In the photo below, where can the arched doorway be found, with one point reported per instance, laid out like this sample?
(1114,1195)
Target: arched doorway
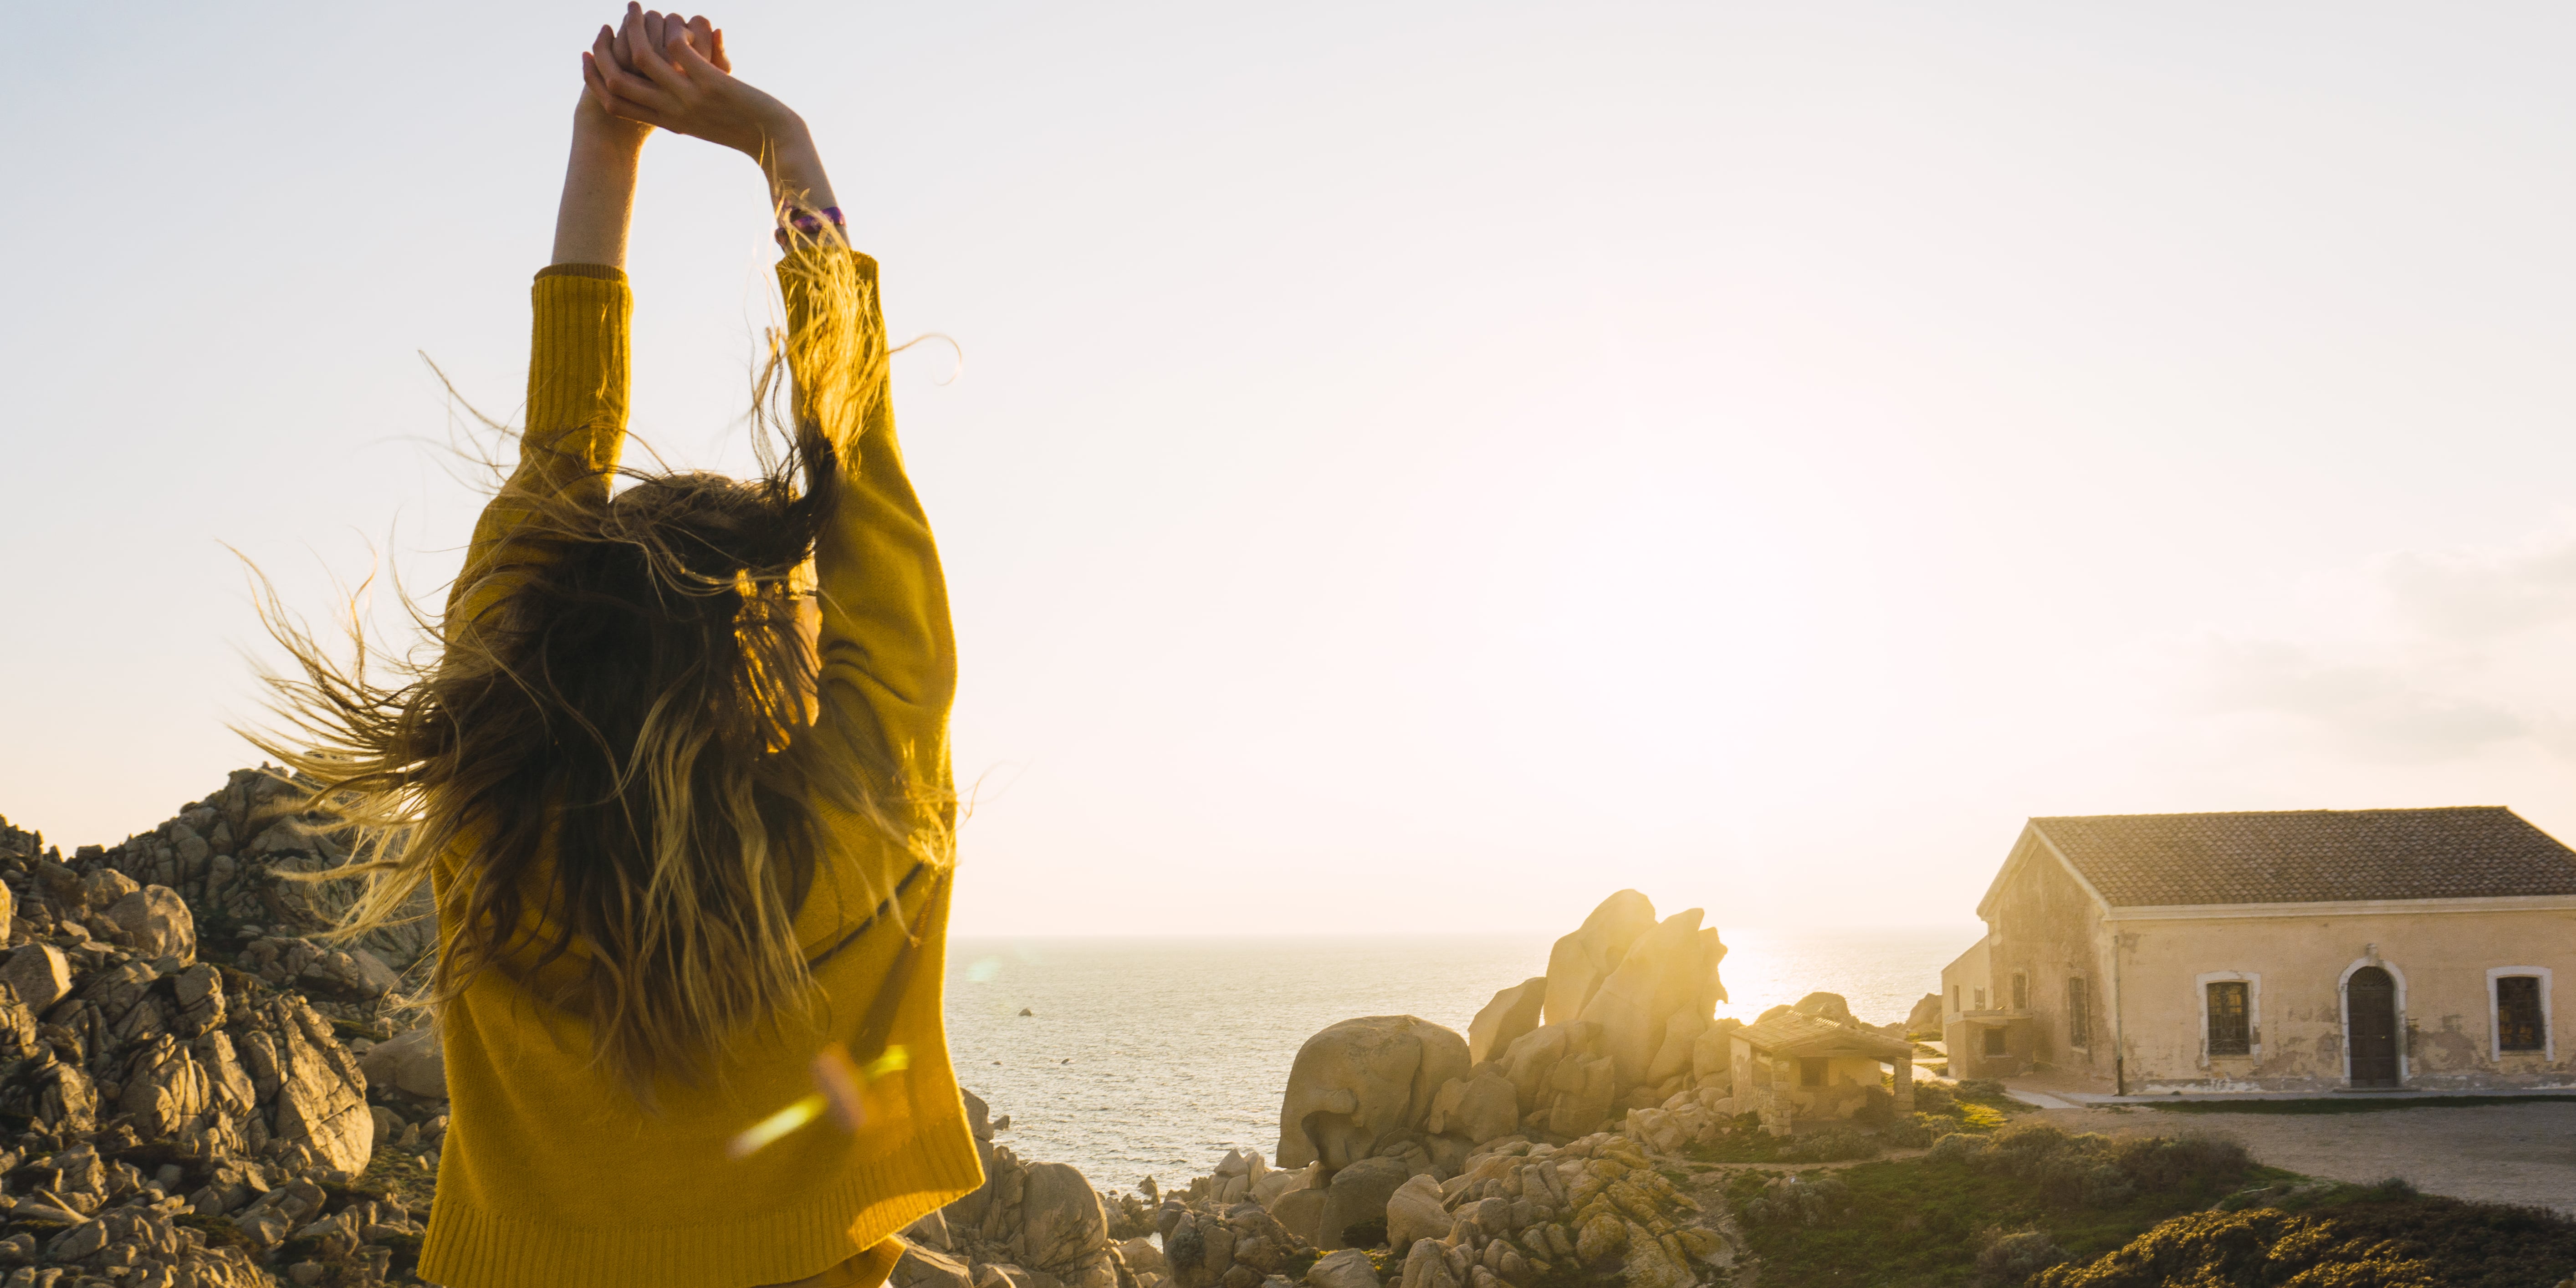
(2370,1027)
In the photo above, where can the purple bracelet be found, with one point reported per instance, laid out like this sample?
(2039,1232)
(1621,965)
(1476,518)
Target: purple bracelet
(809,225)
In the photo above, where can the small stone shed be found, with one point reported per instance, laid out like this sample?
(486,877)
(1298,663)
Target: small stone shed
(1798,1066)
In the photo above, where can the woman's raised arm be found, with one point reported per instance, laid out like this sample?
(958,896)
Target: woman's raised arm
(574,425)
(888,657)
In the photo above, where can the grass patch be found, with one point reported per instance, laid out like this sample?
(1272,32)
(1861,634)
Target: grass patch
(1974,1213)
(218,1232)
(399,1175)
(2348,1105)
(1974,1107)
(2383,1234)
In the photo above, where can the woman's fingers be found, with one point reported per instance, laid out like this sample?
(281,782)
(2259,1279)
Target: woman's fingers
(702,38)
(717,55)
(625,43)
(686,56)
(652,53)
(625,87)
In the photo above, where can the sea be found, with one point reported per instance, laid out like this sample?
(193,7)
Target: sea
(1153,1057)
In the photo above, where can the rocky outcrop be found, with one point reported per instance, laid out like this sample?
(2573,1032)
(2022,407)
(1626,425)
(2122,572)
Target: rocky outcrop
(156,1086)
(1523,1212)
(1579,962)
(1513,1012)
(1362,1086)
(1926,1015)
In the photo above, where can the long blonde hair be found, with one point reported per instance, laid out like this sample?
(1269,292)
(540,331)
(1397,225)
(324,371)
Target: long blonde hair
(619,736)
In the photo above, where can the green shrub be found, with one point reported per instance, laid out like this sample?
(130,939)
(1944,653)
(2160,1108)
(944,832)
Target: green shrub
(1933,1098)
(1988,1090)
(1809,1199)
(1914,1131)
(1832,1145)
(2368,1239)
(1877,1108)
(2012,1258)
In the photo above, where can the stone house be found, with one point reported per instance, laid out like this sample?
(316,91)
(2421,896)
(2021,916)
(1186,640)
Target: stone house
(2314,950)
(1796,1066)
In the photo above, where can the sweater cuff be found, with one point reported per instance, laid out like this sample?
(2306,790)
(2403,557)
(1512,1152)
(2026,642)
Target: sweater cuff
(602,272)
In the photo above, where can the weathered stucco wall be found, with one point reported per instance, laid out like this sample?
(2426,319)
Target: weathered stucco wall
(2052,936)
(2295,966)
(2045,929)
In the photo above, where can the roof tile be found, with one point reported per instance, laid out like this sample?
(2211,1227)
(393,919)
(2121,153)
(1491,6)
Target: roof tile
(2313,856)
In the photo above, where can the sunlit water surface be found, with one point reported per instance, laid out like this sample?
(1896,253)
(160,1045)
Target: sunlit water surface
(1154,1056)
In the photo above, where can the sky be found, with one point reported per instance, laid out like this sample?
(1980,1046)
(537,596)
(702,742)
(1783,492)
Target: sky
(1412,469)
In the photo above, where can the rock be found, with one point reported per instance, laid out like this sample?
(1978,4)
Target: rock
(77,1242)
(321,1097)
(1359,1084)
(413,1062)
(1413,1212)
(1585,1086)
(1661,973)
(1650,1264)
(40,975)
(156,919)
(1673,1056)
(355,971)
(1484,1108)
(1829,1006)
(1926,1015)
(1301,1211)
(1348,1268)
(1602,1238)
(1656,1129)
(1143,1257)
(1579,962)
(1276,1182)
(921,1267)
(165,1089)
(101,888)
(1061,1218)
(1713,1054)
(1427,1266)
(1356,1194)
(199,991)
(1513,1012)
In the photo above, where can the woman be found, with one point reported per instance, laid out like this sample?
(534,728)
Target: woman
(687,823)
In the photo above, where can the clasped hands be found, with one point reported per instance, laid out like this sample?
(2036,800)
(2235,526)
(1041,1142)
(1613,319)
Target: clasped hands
(658,69)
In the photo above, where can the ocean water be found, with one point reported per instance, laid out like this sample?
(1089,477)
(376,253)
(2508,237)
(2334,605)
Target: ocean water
(1152,1057)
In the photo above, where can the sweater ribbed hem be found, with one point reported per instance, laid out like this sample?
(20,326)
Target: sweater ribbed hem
(471,1248)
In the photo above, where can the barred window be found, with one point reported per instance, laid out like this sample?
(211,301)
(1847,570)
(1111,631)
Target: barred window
(1995,1041)
(2079,1014)
(2230,1029)
(2519,1024)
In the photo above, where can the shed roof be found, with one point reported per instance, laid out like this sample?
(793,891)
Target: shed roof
(2312,856)
(1807,1035)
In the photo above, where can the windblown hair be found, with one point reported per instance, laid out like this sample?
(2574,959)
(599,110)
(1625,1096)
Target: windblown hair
(612,725)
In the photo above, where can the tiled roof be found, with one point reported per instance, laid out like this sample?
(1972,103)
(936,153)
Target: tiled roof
(2312,856)
(1808,1035)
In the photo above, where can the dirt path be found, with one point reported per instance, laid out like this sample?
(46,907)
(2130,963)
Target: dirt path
(2524,1153)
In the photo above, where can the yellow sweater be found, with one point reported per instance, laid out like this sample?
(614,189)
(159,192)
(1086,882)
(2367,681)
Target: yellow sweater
(551,1174)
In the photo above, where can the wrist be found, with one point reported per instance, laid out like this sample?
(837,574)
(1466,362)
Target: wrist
(596,132)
